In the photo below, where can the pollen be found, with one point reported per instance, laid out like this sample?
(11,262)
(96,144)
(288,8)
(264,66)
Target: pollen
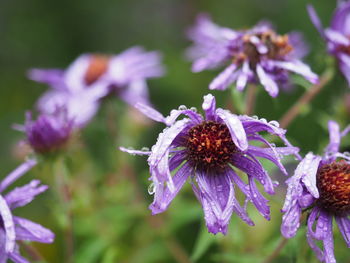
(333,183)
(97,67)
(209,145)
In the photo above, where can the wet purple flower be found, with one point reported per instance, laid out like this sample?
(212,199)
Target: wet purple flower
(258,55)
(97,75)
(337,35)
(49,133)
(13,228)
(321,186)
(210,151)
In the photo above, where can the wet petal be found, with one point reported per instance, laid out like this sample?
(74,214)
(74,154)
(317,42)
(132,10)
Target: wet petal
(260,202)
(209,107)
(298,67)
(163,196)
(344,227)
(291,221)
(224,79)
(334,137)
(267,81)
(235,127)
(150,112)
(134,152)
(9,227)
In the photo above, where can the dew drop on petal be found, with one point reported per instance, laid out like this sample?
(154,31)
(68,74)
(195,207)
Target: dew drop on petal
(151,189)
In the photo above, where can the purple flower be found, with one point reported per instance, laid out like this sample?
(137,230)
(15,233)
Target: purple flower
(337,35)
(47,134)
(320,185)
(211,151)
(13,228)
(91,77)
(258,55)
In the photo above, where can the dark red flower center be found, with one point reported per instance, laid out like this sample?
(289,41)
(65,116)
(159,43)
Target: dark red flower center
(97,67)
(333,183)
(277,47)
(209,145)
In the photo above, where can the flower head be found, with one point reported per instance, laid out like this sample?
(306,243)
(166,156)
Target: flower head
(124,74)
(210,150)
(258,55)
(337,35)
(13,228)
(48,133)
(320,185)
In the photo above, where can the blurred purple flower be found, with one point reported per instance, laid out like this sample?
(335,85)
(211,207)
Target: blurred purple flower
(337,35)
(13,228)
(320,184)
(257,55)
(207,150)
(48,133)
(91,77)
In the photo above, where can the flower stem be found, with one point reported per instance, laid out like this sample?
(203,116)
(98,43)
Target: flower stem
(294,111)
(276,251)
(250,99)
(63,191)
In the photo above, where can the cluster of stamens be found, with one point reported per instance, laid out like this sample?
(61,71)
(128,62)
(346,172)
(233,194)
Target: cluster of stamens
(209,145)
(333,183)
(97,67)
(278,46)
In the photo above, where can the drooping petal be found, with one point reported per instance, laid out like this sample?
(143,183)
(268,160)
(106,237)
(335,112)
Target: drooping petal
(298,67)
(344,227)
(17,173)
(163,196)
(260,202)
(267,81)
(310,234)
(9,227)
(224,79)
(20,196)
(235,127)
(291,221)
(28,230)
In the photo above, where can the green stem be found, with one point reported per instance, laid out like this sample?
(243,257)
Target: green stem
(250,99)
(63,192)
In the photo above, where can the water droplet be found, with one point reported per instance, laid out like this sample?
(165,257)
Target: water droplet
(145,149)
(274,123)
(182,107)
(151,189)
(193,109)
(255,117)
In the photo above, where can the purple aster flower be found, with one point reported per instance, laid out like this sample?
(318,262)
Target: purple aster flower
(258,55)
(13,228)
(47,134)
(210,151)
(337,35)
(124,74)
(321,186)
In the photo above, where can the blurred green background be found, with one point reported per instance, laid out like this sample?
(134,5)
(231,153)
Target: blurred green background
(109,188)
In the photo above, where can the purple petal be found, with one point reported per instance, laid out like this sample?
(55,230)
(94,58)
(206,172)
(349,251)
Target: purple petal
(49,76)
(291,222)
(341,19)
(174,114)
(28,230)
(163,195)
(308,169)
(315,19)
(310,234)
(336,37)
(6,217)
(253,169)
(260,202)
(17,258)
(223,80)
(298,67)
(334,137)
(150,112)
(235,127)
(17,173)
(344,227)
(165,140)
(20,196)
(134,152)
(135,92)
(267,81)
(209,107)
(243,76)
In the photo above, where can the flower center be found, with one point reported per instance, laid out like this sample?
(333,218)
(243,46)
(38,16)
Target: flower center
(277,47)
(333,183)
(97,67)
(209,145)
